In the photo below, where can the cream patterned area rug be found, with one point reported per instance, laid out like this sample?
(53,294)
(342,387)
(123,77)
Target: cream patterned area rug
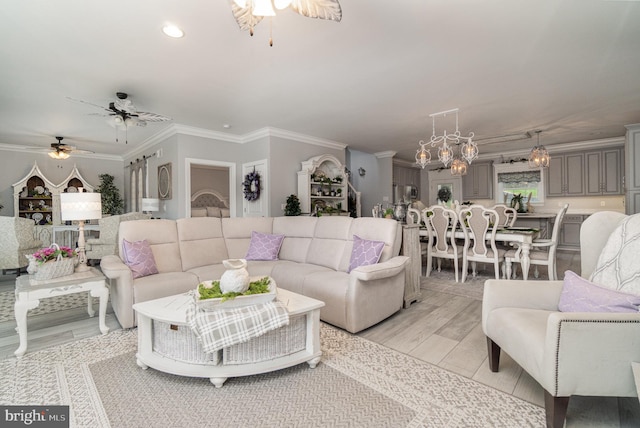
(357,384)
(52,304)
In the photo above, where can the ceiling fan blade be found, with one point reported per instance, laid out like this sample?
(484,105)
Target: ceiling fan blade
(152,117)
(321,9)
(245,19)
(88,103)
(81,152)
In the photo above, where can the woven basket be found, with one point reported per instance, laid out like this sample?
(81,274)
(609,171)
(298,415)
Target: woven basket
(62,266)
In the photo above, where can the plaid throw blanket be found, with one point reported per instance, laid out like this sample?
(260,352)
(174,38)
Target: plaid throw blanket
(225,327)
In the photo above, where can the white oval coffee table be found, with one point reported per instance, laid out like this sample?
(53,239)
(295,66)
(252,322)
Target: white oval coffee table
(166,343)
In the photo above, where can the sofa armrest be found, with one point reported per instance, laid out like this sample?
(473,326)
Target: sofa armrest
(114,268)
(506,293)
(499,293)
(591,352)
(382,270)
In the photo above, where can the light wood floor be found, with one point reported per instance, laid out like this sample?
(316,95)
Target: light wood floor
(442,329)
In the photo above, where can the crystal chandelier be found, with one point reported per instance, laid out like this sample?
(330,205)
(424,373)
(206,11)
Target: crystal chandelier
(468,149)
(539,156)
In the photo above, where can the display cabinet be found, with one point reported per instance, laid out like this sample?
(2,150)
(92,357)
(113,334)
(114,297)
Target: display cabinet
(37,198)
(322,186)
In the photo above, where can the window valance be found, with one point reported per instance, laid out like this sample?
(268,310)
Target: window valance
(519,177)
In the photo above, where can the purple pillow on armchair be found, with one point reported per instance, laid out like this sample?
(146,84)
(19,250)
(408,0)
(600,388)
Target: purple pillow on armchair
(139,257)
(581,295)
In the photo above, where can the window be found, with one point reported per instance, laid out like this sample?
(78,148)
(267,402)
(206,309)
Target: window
(518,179)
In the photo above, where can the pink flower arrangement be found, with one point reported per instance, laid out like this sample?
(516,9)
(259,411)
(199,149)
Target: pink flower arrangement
(45,254)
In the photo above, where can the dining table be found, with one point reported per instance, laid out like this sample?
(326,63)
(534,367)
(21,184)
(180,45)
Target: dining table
(519,236)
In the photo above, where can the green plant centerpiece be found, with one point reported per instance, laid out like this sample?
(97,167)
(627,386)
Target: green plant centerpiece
(518,204)
(112,203)
(213,291)
(293,206)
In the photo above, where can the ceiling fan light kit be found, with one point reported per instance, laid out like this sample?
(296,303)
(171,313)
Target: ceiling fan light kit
(61,151)
(248,13)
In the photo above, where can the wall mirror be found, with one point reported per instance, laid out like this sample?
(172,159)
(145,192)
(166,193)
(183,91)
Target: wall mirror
(164,181)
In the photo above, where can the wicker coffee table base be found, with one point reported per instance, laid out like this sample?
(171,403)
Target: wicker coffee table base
(167,344)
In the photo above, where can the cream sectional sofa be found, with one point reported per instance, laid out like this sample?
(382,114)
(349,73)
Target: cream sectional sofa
(313,261)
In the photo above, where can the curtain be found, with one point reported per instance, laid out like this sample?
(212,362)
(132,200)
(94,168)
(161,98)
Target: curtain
(519,177)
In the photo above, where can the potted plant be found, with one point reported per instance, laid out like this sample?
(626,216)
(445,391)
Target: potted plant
(293,206)
(112,203)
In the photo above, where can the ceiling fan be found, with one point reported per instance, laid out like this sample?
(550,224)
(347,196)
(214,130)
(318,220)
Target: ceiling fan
(62,151)
(122,113)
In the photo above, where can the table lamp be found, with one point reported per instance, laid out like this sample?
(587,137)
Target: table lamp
(81,207)
(150,205)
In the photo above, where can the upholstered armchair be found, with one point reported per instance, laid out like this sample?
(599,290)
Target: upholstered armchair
(16,241)
(569,353)
(107,242)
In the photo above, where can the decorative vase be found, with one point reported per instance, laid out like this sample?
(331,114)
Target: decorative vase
(235,278)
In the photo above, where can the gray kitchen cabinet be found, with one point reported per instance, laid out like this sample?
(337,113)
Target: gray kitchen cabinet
(565,175)
(603,172)
(570,232)
(478,183)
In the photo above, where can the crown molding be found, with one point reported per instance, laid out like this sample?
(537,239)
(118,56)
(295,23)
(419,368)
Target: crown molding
(385,154)
(266,132)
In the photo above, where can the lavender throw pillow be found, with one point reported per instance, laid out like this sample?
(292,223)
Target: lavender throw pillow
(365,252)
(264,246)
(139,257)
(581,295)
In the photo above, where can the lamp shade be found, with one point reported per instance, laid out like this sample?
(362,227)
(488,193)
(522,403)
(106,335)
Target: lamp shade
(150,204)
(80,206)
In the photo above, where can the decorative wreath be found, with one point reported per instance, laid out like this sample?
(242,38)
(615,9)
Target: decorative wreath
(251,185)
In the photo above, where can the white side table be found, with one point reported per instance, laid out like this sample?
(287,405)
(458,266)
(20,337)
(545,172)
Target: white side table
(29,292)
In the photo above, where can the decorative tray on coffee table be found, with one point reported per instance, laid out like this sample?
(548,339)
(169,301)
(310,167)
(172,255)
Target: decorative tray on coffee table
(238,301)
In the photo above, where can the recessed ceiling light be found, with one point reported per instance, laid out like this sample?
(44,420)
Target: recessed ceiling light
(172,31)
(226,126)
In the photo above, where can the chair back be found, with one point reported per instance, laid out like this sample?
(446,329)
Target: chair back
(476,222)
(594,234)
(439,220)
(558,223)
(16,241)
(413,216)
(506,215)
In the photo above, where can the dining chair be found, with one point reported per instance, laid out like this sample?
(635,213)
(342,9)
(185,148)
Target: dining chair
(479,225)
(543,251)
(441,222)
(506,215)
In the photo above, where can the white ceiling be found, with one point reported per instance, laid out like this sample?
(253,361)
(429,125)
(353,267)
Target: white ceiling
(569,68)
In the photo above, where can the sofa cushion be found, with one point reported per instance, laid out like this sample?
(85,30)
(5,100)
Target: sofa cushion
(298,232)
(331,238)
(139,257)
(581,295)
(162,235)
(264,246)
(198,212)
(292,276)
(364,252)
(386,230)
(201,242)
(237,233)
(163,285)
(618,267)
